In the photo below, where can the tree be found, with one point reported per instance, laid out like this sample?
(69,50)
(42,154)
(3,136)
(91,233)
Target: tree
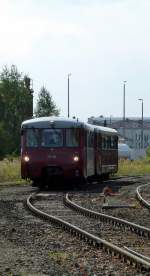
(45,104)
(15,106)
(5,141)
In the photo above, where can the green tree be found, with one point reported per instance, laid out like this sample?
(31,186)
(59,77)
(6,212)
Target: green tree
(5,141)
(45,104)
(15,106)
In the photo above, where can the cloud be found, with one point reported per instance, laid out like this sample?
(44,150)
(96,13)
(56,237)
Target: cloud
(100,42)
(20,34)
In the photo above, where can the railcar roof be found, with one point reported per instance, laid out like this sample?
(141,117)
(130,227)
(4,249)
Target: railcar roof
(58,122)
(107,130)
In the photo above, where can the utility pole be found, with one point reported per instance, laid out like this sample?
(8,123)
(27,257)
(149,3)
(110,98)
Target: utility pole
(124,107)
(68,97)
(141,124)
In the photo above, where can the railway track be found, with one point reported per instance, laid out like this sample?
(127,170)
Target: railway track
(143,201)
(115,221)
(45,206)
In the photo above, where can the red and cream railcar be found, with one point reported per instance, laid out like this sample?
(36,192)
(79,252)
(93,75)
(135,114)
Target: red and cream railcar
(68,148)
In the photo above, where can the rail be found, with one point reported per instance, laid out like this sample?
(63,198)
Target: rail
(108,247)
(140,198)
(138,229)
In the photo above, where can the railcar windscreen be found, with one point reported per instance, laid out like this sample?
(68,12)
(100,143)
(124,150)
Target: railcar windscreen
(52,138)
(32,138)
(72,137)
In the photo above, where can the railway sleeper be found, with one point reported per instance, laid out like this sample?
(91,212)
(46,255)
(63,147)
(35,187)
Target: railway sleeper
(124,259)
(101,245)
(114,222)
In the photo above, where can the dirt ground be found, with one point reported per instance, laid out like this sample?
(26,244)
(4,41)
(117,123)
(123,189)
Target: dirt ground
(30,246)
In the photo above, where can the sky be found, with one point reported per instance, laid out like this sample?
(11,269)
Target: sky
(102,43)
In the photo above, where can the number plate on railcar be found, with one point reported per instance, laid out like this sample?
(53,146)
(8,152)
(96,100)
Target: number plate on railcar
(54,171)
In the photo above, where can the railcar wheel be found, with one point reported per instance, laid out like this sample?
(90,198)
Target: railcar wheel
(77,182)
(105,176)
(82,181)
(35,182)
(39,183)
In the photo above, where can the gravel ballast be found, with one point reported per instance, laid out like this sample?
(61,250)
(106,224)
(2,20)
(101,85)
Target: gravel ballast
(31,246)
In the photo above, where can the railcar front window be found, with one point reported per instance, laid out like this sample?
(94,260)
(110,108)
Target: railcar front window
(32,138)
(52,138)
(72,137)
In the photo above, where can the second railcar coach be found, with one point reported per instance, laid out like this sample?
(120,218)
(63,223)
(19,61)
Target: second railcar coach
(53,147)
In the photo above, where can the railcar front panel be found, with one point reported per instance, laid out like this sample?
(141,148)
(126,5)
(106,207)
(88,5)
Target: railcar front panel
(50,162)
(52,152)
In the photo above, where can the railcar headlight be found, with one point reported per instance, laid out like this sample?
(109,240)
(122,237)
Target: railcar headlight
(26,158)
(76,158)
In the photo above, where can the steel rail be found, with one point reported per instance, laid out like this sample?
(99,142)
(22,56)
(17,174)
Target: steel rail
(108,247)
(138,229)
(140,198)
(137,254)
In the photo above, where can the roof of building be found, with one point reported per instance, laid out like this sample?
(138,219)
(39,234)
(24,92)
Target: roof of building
(132,122)
(114,119)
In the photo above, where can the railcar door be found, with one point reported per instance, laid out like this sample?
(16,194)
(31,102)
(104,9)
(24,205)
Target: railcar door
(90,153)
(98,153)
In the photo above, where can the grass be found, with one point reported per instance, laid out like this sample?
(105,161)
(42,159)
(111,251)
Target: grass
(137,167)
(10,171)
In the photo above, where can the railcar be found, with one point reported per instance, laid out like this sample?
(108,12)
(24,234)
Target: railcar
(53,147)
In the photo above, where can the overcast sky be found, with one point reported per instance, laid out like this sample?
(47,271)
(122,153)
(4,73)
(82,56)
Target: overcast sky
(100,42)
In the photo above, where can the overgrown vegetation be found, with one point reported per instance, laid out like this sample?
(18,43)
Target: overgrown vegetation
(137,167)
(10,171)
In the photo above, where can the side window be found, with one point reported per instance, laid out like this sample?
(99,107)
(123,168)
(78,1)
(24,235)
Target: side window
(108,142)
(72,137)
(32,138)
(104,142)
(116,142)
(113,142)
